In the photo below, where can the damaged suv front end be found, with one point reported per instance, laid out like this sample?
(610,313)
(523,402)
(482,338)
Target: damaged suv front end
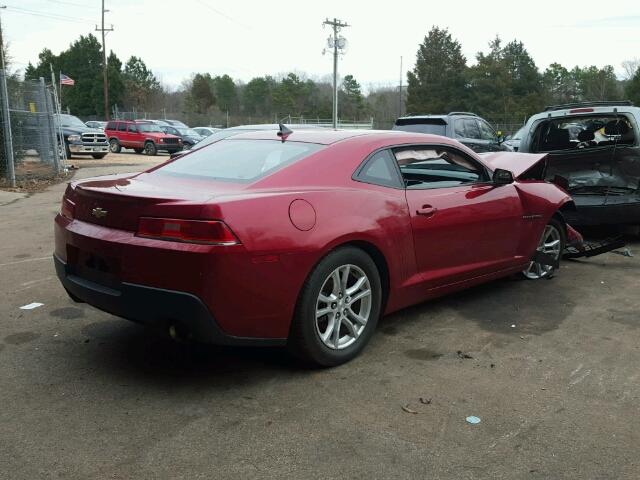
(593,152)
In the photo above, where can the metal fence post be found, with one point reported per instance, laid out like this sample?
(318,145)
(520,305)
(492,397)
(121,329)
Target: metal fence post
(50,120)
(8,139)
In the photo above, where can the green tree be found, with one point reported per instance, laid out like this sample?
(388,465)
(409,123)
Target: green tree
(200,97)
(289,95)
(437,82)
(597,83)
(257,95)
(632,90)
(351,101)
(559,85)
(226,93)
(140,83)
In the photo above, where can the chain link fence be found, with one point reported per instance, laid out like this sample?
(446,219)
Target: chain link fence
(29,132)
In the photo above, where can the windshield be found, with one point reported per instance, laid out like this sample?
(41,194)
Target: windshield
(518,135)
(188,132)
(71,121)
(149,127)
(238,160)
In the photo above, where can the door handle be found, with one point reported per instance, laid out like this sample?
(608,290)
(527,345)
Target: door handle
(426,211)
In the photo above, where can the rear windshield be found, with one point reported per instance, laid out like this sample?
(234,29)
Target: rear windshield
(433,126)
(583,133)
(239,160)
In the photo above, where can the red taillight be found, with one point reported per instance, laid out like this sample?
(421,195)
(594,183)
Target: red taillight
(212,232)
(67,209)
(581,110)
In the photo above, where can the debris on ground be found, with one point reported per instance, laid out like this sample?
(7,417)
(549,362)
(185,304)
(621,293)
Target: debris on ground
(425,401)
(473,420)
(513,325)
(408,410)
(461,354)
(493,365)
(625,252)
(31,306)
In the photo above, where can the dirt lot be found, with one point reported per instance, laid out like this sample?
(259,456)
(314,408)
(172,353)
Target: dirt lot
(550,367)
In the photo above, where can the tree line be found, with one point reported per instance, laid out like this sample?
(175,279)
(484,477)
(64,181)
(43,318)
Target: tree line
(503,81)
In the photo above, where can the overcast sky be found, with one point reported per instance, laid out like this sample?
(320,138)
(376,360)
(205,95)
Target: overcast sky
(247,38)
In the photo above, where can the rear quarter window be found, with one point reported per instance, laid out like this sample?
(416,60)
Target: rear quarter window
(241,161)
(111,126)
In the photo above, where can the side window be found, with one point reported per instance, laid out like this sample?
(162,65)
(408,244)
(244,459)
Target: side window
(471,129)
(380,170)
(425,167)
(459,128)
(132,128)
(122,127)
(111,126)
(486,132)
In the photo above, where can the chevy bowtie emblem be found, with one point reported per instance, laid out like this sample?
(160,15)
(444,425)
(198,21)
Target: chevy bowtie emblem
(99,212)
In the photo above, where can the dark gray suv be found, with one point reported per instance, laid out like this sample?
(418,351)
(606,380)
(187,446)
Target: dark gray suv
(468,128)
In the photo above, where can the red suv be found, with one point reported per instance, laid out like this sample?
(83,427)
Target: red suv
(142,136)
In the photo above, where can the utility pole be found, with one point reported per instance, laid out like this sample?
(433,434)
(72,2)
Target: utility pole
(400,92)
(105,69)
(337,43)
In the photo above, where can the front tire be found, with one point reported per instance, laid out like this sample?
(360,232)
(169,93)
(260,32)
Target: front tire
(150,149)
(99,156)
(552,241)
(337,310)
(114,145)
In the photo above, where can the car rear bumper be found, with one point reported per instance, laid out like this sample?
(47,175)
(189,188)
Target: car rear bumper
(154,307)
(593,211)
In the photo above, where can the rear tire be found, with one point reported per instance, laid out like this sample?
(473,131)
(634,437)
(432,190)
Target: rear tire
(343,291)
(114,145)
(552,241)
(150,149)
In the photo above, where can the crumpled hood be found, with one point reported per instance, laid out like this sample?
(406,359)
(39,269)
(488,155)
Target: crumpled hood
(516,163)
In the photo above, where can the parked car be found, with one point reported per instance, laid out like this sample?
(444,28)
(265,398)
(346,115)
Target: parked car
(175,123)
(79,139)
(141,136)
(188,135)
(206,131)
(467,128)
(98,125)
(157,122)
(239,244)
(595,149)
(513,141)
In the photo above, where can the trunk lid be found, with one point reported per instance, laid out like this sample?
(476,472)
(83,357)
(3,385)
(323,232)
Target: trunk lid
(118,201)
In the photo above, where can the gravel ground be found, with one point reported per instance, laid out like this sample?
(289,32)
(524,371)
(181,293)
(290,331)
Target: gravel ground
(550,368)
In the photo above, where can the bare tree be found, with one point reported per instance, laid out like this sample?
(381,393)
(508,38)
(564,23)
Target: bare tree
(630,67)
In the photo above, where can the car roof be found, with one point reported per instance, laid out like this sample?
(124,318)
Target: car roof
(586,109)
(440,116)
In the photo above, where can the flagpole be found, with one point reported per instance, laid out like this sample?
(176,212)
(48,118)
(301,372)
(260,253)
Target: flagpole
(60,80)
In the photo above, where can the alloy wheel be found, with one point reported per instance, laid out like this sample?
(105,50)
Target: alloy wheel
(550,243)
(343,307)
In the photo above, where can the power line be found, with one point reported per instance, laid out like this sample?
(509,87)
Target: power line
(81,5)
(54,16)
(222,14)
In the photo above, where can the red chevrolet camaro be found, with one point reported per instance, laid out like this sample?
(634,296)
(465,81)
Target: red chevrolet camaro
(307,238)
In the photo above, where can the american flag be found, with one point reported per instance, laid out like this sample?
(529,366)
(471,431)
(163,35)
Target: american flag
(64,80)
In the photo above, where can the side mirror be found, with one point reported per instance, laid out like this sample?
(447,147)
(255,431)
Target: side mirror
(502,177)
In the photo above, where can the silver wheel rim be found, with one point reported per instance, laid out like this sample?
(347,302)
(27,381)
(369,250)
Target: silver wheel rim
(549,244)
(343,307)
(114,146)
(148,148)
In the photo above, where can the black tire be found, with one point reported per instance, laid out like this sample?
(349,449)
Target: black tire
(99,156)
(67,150)
(114,145)
(138,150)
(150,149)
(304,336)
(187,146)
(534,273)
